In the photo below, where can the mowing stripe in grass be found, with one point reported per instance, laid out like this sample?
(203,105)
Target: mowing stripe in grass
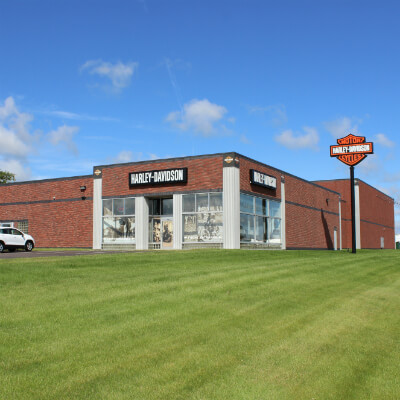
(201,325)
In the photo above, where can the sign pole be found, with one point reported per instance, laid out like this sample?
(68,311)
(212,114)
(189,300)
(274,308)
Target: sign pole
(351,150)
(353,211)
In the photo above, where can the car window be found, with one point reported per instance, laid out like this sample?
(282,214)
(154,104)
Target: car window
(16,232)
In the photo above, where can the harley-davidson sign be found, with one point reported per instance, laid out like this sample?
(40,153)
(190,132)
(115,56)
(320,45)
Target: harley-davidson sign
(158,177)
(261,179)
(352,149)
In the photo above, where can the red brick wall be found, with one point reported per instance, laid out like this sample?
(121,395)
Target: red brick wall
(376,209)
(376,218)
(310,218)
(52,223)
(343,187)
(203,174)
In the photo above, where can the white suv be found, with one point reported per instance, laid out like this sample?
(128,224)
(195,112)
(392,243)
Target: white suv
(12,238)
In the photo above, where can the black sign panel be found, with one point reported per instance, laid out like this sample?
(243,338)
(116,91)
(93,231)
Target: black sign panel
(261,179)
(158,177)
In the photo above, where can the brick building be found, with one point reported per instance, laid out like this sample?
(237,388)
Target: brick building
(218,200)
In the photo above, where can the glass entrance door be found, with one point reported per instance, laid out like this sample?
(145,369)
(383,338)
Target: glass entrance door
(161,227)
(167,233)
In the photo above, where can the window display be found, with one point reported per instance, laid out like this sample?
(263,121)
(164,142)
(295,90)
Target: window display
(205,225)
(119,220)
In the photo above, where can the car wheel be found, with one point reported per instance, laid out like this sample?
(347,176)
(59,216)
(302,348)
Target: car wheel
(28,246)
(11,250)
(1,247)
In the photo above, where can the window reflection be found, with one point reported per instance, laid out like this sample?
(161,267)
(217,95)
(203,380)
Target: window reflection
(119,220)
(260,220)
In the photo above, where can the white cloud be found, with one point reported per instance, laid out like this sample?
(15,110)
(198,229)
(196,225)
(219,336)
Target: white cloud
(123,157)
(308,140)
(15,138)
(381,139)
(17,167)
(77,117)
(64,135)
(341,127)
(12,144)
(8,109)
(119,74)
(201,116)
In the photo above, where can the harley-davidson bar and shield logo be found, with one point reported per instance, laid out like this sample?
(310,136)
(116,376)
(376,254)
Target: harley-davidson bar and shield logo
(352,149)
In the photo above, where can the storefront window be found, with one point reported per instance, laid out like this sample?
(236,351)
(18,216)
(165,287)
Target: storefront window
(118,206)
(107,207)
(246,228)
(161,206)
(215,201)
(202,202)
(167,207)
(261,229)
(260,220)
(130,206)
(261,206)
(275,234)
(119,220)
(189,203)
(246,203)
(274,209)
(205,225)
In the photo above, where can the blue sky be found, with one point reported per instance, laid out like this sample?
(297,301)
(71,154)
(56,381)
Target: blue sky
(84,83)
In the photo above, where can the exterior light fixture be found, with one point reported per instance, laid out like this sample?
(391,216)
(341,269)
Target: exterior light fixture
(83,188)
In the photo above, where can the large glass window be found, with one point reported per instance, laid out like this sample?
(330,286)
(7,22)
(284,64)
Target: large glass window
(189,203)
(260,220)
(246,228)
(119,220)
(161,206)
(246,203)
(202,217)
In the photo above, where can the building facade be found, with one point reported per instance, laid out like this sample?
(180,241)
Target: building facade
(223,200)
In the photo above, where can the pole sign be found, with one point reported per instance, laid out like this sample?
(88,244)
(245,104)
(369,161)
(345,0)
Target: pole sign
(351,150)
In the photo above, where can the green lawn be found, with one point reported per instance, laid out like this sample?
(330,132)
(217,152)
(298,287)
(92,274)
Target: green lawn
(201,325)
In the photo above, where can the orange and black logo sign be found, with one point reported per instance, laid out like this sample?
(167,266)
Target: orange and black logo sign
(352,149)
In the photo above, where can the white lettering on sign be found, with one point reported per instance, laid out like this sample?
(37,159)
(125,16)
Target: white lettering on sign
(259,178)
(359,148)
(158,177)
